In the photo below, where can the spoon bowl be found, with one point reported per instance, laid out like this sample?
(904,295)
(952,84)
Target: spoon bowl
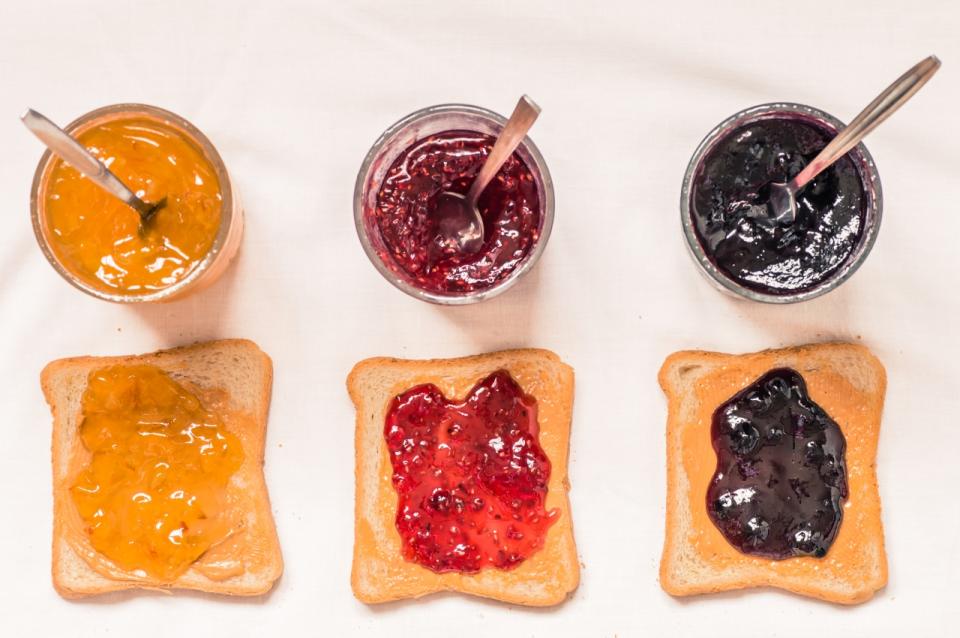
(782,203)
(459,224)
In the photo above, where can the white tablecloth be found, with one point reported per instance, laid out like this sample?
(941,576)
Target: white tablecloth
(294,93)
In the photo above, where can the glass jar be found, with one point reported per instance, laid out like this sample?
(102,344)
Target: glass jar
(869,179)
(209,267)
(401,136)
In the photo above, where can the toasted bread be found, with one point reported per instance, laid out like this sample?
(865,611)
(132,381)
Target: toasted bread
(380,572)
(849,383)
(236,377)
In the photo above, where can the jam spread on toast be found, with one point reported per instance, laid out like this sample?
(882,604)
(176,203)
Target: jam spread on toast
(781,473)
(471,476)
(405,213)
(101,240)
(735,227)
(153,495)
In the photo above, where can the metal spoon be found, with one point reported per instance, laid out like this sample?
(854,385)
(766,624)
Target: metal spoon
(783,197)
(70,150)
(459,222)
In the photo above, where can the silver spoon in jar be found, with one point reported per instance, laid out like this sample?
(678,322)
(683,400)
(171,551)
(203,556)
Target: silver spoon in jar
(459,223)
(70,150)
(783,197)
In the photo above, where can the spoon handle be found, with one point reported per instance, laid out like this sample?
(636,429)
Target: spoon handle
(895,96)
(71,151)
(524,115)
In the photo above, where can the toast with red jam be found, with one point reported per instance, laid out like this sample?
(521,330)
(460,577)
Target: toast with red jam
(461,478)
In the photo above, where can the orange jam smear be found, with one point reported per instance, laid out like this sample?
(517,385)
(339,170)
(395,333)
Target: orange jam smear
(153,496)
(99,239)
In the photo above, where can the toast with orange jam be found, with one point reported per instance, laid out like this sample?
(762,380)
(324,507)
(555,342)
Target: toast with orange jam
(158,471)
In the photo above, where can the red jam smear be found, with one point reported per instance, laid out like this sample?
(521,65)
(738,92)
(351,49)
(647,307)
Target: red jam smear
(407,202)
(471,477)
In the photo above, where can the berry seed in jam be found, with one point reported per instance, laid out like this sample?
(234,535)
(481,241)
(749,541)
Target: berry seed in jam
(733,223)
(781,473)
(406,205)
(471,477)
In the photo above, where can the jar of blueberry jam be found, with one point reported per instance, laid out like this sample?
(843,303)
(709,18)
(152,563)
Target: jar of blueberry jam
(733,235)
(438,149)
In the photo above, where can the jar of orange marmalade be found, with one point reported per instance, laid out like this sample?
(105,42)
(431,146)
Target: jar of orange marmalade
(101,246)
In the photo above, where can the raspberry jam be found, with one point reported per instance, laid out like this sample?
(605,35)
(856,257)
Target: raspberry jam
(471,477)
(405,214)
(781,473)
(732,222)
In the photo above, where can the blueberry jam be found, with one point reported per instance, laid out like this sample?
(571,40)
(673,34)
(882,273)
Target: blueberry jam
(735,227)
(471,477)
(781,473)
(405,214)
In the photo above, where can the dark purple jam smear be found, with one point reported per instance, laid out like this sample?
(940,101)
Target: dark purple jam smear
(781,473)
(734,225)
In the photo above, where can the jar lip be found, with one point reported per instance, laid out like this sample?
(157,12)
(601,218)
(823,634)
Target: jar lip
(869,179)
(194,135)
(364,176)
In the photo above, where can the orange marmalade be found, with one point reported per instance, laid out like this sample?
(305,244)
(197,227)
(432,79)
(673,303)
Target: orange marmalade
(100,240)
(153,496)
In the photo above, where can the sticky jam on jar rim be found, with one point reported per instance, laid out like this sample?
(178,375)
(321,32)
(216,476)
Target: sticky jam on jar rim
(153,495)
(781,470)
(471,477)
(404,214)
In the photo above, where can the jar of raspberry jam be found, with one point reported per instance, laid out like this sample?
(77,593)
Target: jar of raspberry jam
(441,148)
(730,232)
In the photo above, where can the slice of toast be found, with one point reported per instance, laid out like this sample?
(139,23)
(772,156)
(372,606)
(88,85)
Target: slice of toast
(234,377)
(380,572)
(849,383)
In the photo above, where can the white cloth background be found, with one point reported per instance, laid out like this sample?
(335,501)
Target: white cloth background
(294,93)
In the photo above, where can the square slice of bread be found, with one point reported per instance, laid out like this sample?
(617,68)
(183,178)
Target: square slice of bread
(849,383)
(237,377)
(380,572)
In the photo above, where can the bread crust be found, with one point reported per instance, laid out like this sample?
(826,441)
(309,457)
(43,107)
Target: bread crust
(203,368)
(380,573)
(849,383)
